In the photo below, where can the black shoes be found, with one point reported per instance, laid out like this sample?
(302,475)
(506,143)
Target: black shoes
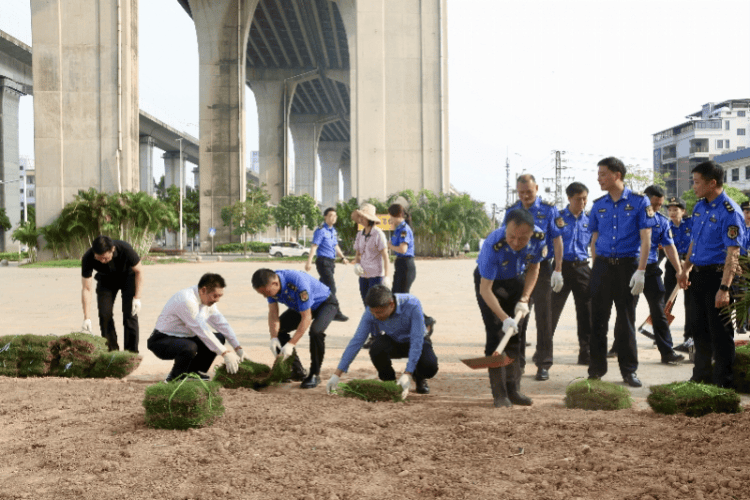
(672,357)
(310,382)
(542,374)
(422,387)
(632,380)
(340,317)
(685,346)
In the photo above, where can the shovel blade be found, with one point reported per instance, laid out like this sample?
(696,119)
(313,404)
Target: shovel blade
(495,361)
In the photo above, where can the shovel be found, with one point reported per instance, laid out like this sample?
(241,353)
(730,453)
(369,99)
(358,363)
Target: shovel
(667,312)
(498,358)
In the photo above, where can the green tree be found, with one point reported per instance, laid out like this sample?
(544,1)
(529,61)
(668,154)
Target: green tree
(639,178)
(296,212)
(191,215)
(28,235)
(691,199)
(345,226)
(5,224)
(251,216)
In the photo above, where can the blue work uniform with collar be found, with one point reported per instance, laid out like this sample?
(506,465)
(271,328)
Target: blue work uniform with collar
(498,261)
(403,234)
(575,235)
(661,234)
(546,217)
(326,237)
(299,291)
(619,223)
(682,235)
(716,225)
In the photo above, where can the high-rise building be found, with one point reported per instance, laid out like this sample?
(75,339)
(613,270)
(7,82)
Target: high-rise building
(28,181)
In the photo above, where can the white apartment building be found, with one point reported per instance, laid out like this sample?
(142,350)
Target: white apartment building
(716,129)
(27,177)
(736,169)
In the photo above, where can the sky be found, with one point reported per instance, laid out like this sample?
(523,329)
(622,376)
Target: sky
(593,78)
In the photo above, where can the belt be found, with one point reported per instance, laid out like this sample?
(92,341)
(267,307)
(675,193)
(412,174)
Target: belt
(576,263)
(713,268)
(614,261)
(404,256)
(682,255)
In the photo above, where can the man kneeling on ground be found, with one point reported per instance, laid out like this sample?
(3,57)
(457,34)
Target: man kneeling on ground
(183,331)
(399,318)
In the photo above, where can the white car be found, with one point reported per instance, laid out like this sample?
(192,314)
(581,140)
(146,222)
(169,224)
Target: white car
(288,249)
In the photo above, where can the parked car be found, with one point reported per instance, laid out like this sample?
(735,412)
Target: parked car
(288,249)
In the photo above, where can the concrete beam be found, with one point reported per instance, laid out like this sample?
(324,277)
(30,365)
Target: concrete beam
(165,137)
(305,136)
(330,154)
(145,161)
(10,189)
(15,62)
(346,177)
(269,99)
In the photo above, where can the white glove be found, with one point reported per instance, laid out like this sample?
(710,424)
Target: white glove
(637,281)
(358,269)
(241,353)
(522,310)
(557,281)
(287,350)
(510,327)
(136,307)
(86,328)
(405,382)
(275,346)
(231,361)
(332,384)
(387,282)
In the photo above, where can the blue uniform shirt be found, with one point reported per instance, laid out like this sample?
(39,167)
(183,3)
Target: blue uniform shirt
(716,225)
(619,223)
(661,234)
(681,235)
(575,235)
(299,291)
(326,238)
(745,241)
(401,234)
(406,324)
(497,261)
(546,217)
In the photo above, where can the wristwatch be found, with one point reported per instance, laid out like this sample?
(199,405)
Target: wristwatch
(723,288)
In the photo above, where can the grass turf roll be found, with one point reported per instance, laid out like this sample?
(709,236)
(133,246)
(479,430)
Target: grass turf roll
(372,390)
(115,364)
(32,353)
(742,369)
(597,395)
(256,376)
(692,399)
(187,402)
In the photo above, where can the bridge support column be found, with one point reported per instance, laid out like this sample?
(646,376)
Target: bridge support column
(146,160)
(10,189)
(172,166)
(346,177)
(305,136)
(222,27)
(330,153)
(269,98)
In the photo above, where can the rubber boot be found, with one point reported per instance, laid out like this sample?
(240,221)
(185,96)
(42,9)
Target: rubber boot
(498,386)
(513,384)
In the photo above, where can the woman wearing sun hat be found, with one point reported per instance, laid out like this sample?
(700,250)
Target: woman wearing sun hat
(371,261)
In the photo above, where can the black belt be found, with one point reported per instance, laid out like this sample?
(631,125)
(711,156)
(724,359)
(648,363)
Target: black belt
(713,268)
(614,261)
(576,263)
(404,256)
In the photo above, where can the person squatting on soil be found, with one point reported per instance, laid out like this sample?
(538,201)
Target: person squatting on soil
(310,303)
(681,234)
(400,318)
(118,268)
(718,232)
(184,330)
(547,218)
(507,270)
(325,244)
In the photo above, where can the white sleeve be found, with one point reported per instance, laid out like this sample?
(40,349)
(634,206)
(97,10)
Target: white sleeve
(189,313)
(220,323)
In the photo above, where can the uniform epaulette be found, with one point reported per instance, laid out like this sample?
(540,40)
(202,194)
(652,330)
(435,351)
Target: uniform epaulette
(500,244)
(538,235)
(600,198)
(728,206)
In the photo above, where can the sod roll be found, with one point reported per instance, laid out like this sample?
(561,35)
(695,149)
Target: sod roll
(372,390)
(692,399)
(597,395)
(256,376)
(187,402)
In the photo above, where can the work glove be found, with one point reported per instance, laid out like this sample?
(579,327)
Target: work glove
(358,269)
(522,310)
(637,281)
(275,346)
(332,384)
(510,327)
(287,350)
(231,361)
(387,282)
(136,307)
(556,281)
(241,353)
(86,328)
(405,382)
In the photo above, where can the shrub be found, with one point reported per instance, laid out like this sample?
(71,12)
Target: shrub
(253,246)
(597,395)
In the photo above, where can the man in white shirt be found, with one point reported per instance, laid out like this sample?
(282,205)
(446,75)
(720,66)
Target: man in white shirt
(184,330)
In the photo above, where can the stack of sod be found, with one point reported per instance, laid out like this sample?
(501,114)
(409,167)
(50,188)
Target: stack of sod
(742,369)
(25,355)
(255,375)
(372,390)
(692,399)
(73,354)
(183,403)
(597,395)
(116,364)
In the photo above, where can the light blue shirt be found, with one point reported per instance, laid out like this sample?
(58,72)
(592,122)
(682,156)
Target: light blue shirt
(498,261)
(299,291)
(401,234)
(716,225)
(575,235)
(619,223)
(326,237)
(546,217)
(661,234)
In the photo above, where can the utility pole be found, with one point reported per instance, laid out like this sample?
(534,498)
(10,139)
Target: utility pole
(559,179)
(507,181)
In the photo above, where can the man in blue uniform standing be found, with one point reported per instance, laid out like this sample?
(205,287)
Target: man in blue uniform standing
(653,288)
(718,232)
(310,304)
(325,244)
(575,268)
(620,225)
(681,235)
(507,270)
(547,218)
(400,318)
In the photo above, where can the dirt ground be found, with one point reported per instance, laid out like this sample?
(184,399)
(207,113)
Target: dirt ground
(62,438)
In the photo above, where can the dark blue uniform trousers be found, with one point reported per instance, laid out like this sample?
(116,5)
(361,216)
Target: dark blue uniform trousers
(322,316)
(384,349)
(654,291)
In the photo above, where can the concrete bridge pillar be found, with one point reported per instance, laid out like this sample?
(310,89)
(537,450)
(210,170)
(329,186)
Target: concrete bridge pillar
(330,153)
(222,27)
(146,160)
(269,98)
(172,166)
(10,189)
(346,177)
(305,136)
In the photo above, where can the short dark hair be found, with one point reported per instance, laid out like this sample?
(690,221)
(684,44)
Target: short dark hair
(102,244)
(614,165)
(262,277)
(654,190)
(328,210)
(398,210)
(520,216)
(379,296)
(575,188)
(211,281)
(710,170)
(525,178)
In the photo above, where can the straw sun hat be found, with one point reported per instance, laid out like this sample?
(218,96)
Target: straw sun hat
(367,210)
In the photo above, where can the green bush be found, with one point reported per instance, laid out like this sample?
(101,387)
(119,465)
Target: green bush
(693,399)
(372,390)
(597,395)
(13,256)
(252,246)
(187,402)
(742,369)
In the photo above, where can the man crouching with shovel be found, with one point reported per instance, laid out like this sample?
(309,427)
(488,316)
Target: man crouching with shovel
(502,288)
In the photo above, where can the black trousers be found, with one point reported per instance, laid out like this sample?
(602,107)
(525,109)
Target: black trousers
(655,293)
(610,283)
(384,349)
(404,274)
(326,267)
(508,292)
(190,354)
(670,281)
(322,317)
(106,292)
(576,279)
(713,333)
(541,298)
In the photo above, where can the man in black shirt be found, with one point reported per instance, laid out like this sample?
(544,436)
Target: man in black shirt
(117,267)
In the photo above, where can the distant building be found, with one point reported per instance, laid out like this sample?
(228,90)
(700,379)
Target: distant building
(717,129)
(28,197)
(253,170)
(736,169)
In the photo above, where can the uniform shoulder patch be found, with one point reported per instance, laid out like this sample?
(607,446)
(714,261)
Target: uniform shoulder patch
(538,235)
(403,234)
(729,207)
(304,296)
(560,222)
(292,287)
(500,244)
(733,232)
